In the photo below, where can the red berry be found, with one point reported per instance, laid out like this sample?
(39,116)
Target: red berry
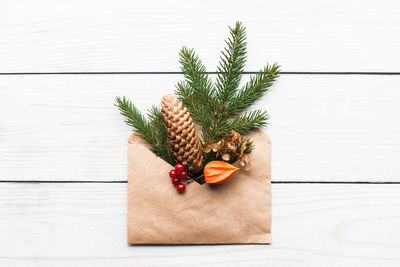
(176,181)
(180,188)
(179,168)
(173,174)
(183,175)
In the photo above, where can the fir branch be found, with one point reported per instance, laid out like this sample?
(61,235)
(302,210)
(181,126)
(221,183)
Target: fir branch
(152,132)
(198,93)
(254,89)
(232,63)
(196,75)
(213,108)
(249,121)
(199,113)
(186,95)
(216,108)
(134,118)
(160,147)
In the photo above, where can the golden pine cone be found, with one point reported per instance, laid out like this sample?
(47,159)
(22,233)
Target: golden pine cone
(181,134)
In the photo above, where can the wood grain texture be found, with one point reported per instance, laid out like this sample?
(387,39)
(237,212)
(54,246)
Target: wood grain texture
(100,35)
(323,128)
(85,225)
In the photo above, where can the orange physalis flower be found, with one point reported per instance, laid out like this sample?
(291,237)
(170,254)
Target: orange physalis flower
(218,172)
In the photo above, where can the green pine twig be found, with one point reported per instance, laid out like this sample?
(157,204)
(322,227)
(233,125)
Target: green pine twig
(196,75)
(217,108)
(198,88)
(160,144)
(249,121)
(232,63)
(254,89)
(152,132)
(199,113)
(134,118)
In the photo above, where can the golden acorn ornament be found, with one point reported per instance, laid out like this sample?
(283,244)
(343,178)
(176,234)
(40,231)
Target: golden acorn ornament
(181,134)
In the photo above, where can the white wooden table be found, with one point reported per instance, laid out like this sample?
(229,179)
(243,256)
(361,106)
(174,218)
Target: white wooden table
(334,125)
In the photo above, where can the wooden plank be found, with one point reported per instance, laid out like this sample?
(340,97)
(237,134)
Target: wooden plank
(99,35)
(85,225)
(323,128)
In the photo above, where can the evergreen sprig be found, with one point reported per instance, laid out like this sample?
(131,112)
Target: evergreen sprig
(248,121)
(232,63)
(254,89)
(198,88)
(160,145)
(217,107)
(200,113)
(153,131)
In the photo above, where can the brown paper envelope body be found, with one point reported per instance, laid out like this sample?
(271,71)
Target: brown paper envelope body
(238,211)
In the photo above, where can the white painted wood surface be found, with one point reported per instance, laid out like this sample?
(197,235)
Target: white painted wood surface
(126,35)
(313,225)
(333,128)
(323,128)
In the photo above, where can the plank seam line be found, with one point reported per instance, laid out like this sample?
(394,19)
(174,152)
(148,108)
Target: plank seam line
(124,182)
(211,72)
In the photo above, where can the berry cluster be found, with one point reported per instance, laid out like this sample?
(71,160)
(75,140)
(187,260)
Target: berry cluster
(176,175)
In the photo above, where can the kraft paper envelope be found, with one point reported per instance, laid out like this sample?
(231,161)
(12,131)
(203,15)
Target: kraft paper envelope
(238,211)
